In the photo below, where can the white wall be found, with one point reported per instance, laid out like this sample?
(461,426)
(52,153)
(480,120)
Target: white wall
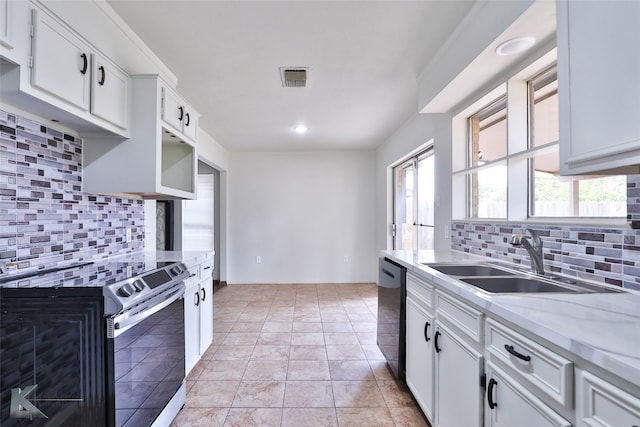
(302,213)
(411,136)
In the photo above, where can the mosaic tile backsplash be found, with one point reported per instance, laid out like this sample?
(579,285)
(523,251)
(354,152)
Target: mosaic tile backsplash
(45,217)
(607,255)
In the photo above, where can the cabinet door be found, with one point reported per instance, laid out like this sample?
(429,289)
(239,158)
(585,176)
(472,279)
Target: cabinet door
(109,92)
(5,23)
(600,403)
(598,85)
(192,327)
(510,404)
(420,363)
(458,390)
(61,62)
(206,314)
(190,124)
(173,112)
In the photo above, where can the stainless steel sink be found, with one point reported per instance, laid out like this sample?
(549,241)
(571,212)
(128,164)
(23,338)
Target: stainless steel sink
(467,270)
(516,285)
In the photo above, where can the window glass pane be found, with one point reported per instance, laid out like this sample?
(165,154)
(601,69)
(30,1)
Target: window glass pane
(425,238)
(556,196)
(488,133)
(489,192)
(403,210)
(426,195)
(544,116)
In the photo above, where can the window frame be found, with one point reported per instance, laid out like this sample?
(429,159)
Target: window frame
(518,155)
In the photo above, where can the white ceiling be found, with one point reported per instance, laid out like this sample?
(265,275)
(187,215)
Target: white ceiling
(364,58)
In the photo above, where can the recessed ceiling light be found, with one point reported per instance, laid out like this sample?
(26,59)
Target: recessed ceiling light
(514,46)
(300,129)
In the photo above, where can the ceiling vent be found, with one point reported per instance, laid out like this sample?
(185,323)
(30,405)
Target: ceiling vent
(294,77)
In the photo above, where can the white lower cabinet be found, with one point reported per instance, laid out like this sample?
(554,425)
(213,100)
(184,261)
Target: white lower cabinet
(600,403)
(420,355)
(509,403)
(458,391)
(192,327)
(198,313)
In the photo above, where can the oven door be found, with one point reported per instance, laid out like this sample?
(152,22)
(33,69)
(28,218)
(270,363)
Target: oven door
(147,366)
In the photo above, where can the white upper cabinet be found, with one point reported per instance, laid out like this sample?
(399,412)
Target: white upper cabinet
(109,92)
(80,80)
(156,162)
(178,115)
(6,9)
(61,62)
(598,86)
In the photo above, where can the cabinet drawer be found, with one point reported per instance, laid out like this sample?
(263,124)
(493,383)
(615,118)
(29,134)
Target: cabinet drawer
(421,289)
(600,403)
(468,320)
(551,373)
(206,268)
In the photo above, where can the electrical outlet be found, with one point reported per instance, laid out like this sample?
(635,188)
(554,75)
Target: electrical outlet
(346,258)
(447,232)
(128,235)
(258,259)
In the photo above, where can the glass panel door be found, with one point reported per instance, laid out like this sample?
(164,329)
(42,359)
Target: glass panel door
(414,203)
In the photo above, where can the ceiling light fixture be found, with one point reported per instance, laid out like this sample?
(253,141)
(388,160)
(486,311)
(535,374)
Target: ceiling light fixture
(300,129)
(515,46)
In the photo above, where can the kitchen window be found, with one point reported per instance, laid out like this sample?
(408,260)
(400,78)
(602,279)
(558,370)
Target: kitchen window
(511,144)
(414,202)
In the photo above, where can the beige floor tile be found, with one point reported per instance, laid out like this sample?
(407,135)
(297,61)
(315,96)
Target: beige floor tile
(337,338)
(233,352)
(307,327)
(351,370)
(305,394)
(263,394)
(334,317)
(307,317)
(308,370)
(360,417)
(408,417)
(307,338)
(208,354)
(308,352)
(344,352)
(218,338)
(200,417)
(361,317)
(277,326)
(266,370)
(357,394)
(309,417)
(396,394)
(274,338)
(212,394)
(380,370)
(270,352)
(372,351)
(223,370)
(222,327)
(342,327)
(367,337)
(241,338)
(246,327)
(364,326)
(248,417)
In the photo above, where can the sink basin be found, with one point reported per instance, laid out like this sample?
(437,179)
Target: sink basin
(517,285)
(468,270)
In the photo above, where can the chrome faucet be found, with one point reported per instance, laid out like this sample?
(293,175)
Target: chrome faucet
(534,249)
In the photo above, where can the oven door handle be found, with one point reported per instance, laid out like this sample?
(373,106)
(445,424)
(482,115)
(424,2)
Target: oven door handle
(139,317)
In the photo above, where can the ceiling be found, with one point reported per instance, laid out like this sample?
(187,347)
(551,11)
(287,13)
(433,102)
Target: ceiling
(364,58)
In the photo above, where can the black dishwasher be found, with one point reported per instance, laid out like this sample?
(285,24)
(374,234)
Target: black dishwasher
(391,314)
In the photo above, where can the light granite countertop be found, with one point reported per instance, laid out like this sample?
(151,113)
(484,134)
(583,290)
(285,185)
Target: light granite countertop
(600,328)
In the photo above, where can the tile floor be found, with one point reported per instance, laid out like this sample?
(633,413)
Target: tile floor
(296,355)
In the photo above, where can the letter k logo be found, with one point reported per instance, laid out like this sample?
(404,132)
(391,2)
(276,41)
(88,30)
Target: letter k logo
(21,407)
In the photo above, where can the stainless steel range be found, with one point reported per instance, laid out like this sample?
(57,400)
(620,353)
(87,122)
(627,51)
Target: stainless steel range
(101,344)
